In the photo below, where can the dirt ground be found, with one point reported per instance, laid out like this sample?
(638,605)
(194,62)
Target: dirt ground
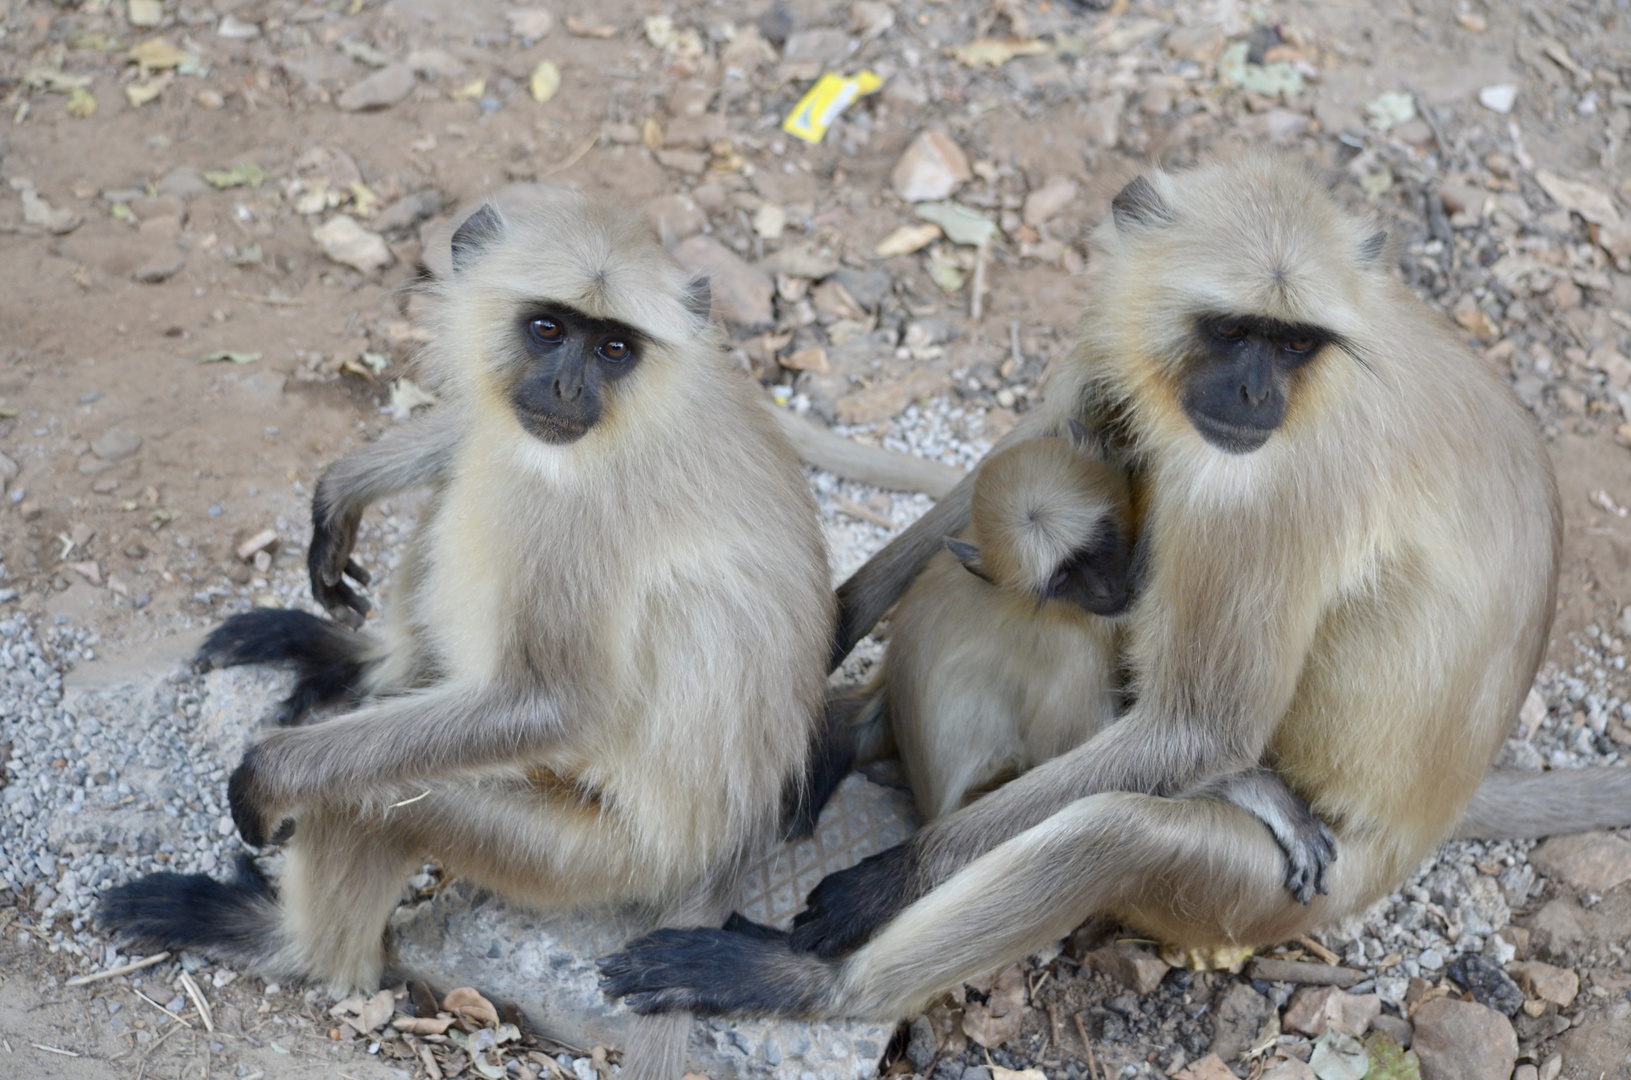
(138,270)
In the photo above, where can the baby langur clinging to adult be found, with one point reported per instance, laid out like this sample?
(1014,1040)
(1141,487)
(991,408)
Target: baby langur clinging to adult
(604,656)
(1349,532)
(1002,655)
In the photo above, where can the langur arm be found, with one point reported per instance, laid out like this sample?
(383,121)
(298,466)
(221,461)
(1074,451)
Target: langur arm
(1308,844)
(871,590)
(431,732)
(402,458)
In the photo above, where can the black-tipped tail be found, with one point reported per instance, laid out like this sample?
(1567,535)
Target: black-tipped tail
(232,920)
(718,971)
(327,657)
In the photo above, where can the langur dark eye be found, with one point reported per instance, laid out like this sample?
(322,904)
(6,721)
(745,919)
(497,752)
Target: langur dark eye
(548,331)
(614,350)
(1300,345)
(1056,584)
(1230,331)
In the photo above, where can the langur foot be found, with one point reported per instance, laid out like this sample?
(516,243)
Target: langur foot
(1231,958)
(750,972)
(845,908)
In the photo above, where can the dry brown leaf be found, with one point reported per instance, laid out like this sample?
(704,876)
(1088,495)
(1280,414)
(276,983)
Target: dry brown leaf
(991,52)
(907,239)
(584,28)
(423,1025)
(377,1010)
(812,359)
(1007,991)
(1210,1067)
(1000,1073)
(471,1006)
(1589,201)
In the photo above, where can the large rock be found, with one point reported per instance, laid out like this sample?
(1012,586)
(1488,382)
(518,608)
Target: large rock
(545,964)
(1458,1040)
(742,293)
(1592,862)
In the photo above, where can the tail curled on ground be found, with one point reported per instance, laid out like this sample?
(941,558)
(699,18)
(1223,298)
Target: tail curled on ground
(329,659)
(233,920)
(1516,805)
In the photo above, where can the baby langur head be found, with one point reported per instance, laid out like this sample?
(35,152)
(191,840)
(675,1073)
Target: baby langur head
(554,301)
(1052,520)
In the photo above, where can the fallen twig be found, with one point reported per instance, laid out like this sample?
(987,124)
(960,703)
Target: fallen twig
(198,1001)
(54,1050)
(174,1016)
(122,969)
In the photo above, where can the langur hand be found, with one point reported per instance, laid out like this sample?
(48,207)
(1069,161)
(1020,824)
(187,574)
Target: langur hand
(846,908)
(1308,861)
(261,814)
(333,535)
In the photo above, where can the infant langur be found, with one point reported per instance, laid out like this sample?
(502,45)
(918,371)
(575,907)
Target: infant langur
(1003,653)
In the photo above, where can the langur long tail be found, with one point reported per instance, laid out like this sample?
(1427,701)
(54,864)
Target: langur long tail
(1515,805)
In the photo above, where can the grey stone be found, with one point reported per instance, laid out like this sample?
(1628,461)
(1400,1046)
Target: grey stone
(545,963)
(742,293)
(183,182)
(676,217)
(824,47)
(1396,1028)
(1239,1017)
(159,267)
(921,1047)
(801,260)
(348,243)
(409,211)
(1488,984)
(116,444)
(1458,1040)
(867,287)
(385,87)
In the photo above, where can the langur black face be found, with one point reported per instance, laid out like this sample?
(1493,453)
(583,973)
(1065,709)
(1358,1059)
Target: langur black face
(1096,578)
(1235,381)
(558,394)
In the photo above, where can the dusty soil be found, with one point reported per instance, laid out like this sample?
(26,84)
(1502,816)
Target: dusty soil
(106,324)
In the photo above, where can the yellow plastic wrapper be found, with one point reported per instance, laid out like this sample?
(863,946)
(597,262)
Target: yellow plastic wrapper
(829,97)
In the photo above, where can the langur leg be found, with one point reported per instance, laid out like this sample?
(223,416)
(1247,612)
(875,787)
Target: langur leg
(1196,872)
(345,867)
(341,881)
